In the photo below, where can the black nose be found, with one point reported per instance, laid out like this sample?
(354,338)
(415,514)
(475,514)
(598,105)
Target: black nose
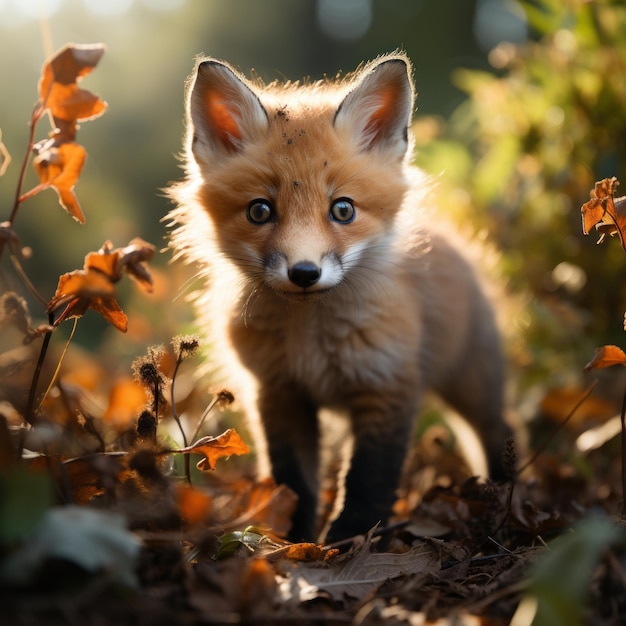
(304,274)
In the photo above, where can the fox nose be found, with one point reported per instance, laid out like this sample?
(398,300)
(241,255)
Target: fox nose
(304,274)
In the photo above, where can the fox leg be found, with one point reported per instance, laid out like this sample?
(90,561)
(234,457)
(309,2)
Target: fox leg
(477,393)
(292,437)
(382,435)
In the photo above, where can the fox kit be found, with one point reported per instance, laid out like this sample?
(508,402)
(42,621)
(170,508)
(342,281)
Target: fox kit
(326,290)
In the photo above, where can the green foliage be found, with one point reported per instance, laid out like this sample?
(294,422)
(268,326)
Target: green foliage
(560,581)
(524,150)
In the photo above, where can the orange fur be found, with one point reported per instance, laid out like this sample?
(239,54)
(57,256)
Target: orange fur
(325,286)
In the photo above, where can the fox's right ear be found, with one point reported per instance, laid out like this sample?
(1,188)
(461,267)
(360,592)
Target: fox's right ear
(222,110)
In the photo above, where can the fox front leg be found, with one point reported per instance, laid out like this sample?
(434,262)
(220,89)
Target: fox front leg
(381,441)
(291,428)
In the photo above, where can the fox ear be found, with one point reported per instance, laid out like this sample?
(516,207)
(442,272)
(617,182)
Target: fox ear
(222,110)
(378,109)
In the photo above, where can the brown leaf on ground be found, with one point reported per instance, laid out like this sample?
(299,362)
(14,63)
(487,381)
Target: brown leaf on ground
(606,356)
(194,504)
(359,575)
(604,212)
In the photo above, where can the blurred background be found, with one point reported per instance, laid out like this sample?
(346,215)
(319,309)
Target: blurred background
(520,109)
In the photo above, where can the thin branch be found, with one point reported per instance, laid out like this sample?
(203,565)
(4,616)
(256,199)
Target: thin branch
(29,415)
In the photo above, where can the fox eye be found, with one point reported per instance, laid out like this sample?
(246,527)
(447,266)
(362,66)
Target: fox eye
(260,211)
(342,210)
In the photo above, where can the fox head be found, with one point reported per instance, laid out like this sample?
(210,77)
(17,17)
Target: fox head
(302,183)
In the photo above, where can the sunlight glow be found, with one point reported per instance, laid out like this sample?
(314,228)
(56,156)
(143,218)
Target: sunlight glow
(108,8)
(163,5)
(35,8)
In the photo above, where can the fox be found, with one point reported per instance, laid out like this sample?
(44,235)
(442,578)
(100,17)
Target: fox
(325,285)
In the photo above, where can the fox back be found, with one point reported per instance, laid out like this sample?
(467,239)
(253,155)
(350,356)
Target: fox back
(326,289)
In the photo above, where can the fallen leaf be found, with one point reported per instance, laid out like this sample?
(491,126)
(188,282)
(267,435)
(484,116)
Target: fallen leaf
(194,504)
(606,356)
(358,575)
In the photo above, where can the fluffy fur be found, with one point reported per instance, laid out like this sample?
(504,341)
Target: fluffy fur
(325,288)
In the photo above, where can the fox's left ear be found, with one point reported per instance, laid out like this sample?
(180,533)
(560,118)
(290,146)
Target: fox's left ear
(379,108)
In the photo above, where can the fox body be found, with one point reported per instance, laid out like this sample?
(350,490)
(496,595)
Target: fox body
(326,289)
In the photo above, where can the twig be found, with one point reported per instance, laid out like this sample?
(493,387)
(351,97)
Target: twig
(34,119)
(58,367)
(19,269)
(203,417)
(187,462)
(29,412)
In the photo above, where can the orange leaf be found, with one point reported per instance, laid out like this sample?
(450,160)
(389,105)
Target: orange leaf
(58,89)
(126,400)
(58,164)
(604,212)
(606,356)
(131,258)
(80,290)
(215,448)
(194,504)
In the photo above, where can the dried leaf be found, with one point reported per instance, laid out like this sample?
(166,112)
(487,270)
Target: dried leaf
(59,159)
(5,157)
(58,164)
(194,504)
(606,356)
(215,448)
(132,258)
(93,287)
(80,290)
(58,89)
(360,574)
(604,212)
(126,400)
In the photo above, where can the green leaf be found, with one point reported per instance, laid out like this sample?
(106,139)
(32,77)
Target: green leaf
(561,580)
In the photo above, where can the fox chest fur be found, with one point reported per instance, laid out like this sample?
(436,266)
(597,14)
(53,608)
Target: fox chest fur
(326,288)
